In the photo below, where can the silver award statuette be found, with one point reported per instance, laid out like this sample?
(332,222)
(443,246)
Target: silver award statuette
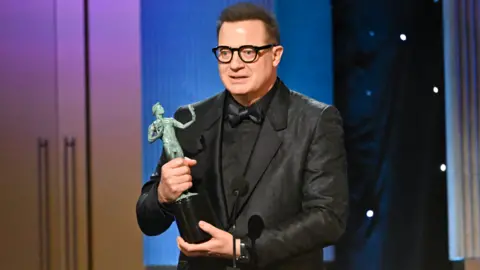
(190,207)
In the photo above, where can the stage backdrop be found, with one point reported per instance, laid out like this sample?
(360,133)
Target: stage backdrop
(178,68)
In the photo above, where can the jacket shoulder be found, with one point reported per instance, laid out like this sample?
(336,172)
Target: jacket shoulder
(200,107)
(302,105)
(314,116)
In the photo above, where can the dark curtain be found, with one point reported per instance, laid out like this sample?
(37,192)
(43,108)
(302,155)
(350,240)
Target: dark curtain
(394,124)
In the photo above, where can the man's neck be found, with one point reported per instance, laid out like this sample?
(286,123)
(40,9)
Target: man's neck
(250,98)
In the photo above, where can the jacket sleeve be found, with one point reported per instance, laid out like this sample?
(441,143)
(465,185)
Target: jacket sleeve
(153,217)
(325,198)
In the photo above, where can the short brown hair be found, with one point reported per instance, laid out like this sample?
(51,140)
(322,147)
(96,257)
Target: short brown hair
(247,11)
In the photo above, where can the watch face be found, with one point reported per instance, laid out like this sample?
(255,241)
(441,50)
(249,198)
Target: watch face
(243,252)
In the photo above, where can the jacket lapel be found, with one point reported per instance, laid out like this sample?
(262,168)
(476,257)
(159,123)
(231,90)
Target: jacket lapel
(209,142)
(268,141)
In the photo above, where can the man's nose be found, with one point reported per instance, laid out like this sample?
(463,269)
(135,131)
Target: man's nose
(236,62)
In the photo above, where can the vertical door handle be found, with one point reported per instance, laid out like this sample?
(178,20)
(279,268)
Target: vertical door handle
(43,176)
(69,170)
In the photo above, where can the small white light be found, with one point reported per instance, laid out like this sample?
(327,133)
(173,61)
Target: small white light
(370,213)
(403,37)
(443,167)
(368,93)
(435,89)
(371,33)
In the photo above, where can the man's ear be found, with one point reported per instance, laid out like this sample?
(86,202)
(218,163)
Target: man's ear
(277,55)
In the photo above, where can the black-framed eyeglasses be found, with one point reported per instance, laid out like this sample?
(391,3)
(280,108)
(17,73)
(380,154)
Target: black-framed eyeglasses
(247,53)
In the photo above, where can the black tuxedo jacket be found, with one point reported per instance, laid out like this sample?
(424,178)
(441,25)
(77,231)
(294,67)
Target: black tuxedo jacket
(297,181)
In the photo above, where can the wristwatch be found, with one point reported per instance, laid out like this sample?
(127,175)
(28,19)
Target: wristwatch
(245,251)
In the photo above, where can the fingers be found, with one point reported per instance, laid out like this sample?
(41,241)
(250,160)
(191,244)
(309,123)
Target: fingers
(187,178)
(177,175)
(177,167)
(180,188)
(175,179)
(219,245)
(178,171)
(174,163)
(194,250)
(178,162)
(185,248)
(189,162)
(208,228)
(168,193)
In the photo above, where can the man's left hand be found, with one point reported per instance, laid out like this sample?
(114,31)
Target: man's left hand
(220,245)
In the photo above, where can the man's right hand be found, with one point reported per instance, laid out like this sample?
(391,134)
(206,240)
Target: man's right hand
(176,178)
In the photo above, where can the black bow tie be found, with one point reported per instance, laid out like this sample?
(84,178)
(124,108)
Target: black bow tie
(236,114)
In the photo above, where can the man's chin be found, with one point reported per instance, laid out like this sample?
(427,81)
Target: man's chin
(239,89)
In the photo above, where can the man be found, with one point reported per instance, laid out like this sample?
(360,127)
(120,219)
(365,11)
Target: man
(288,147)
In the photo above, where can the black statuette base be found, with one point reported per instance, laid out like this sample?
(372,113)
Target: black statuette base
(189,212)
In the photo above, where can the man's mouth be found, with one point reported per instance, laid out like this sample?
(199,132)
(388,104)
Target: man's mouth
(238,77)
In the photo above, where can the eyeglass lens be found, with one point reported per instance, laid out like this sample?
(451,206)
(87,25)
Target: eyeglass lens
(246,54)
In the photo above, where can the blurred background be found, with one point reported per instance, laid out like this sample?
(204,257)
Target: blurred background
(78,79)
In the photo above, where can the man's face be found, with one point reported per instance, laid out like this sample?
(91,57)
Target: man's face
(242,78)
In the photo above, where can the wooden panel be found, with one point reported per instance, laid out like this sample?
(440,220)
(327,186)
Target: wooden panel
(115,133)
(462,111)
(72,133)
(28,110)
(472,264)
